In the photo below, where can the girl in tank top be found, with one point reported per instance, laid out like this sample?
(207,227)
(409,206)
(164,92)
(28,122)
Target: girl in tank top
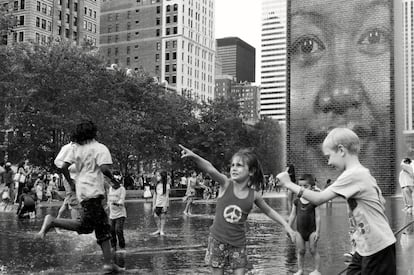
(227,240)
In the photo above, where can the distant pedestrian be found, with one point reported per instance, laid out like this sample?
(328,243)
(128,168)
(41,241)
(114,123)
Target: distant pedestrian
(117,215)
(190,193)
(160,201)
(406,180)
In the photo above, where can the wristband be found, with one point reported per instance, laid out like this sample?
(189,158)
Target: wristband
(302,189)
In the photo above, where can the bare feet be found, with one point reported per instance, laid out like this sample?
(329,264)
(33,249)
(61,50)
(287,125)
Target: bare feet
(47,224)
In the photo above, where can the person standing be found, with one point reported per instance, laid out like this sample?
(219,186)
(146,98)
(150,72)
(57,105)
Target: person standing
(92,162)
(161,201)
(117,215)
(407,184)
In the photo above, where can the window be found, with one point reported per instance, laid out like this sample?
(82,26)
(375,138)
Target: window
(167,68)
(67,18)
(75,6)
(85,25)
(174,67)
(37,38)
(175,18)
(128,61)
(49,25)
(109,29)
(89,26)
(167,31)
(116,16)
(158,21)
(16,5)
(44,24)
(158,9)
(59,30)
(116,38)
(175,7)
(174,55)
(129,14)
(21,36)
(38,9)
(68,4)
(49,10)
(22,4)
(167,56)
(128,49)
(174,45)
(75,21)
(168,8)
(94,14)
(21,20)
(44,8)
(174,79)
(109,39)
(137,22)
(175,30)
(38,22)
(109,52)
(67,33)
(116,51)
(168,19)
(60,15)
(157,33)
(117,27)
(86,11)
(136,33)
(128,25)
(157,57)
(167,44)
(128,36)
(90,12)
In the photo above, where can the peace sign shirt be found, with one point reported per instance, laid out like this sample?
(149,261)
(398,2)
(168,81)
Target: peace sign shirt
(229,224)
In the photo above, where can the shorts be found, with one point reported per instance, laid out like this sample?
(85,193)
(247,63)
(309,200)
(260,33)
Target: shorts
(220,254)
(159,210)
(93,217)
(381,263)
(71,200)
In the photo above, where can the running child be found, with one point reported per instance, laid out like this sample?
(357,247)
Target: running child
(70,202)
(237,194)
(372,236)
(92,161)
(160,201)
(308,224)
(117,215)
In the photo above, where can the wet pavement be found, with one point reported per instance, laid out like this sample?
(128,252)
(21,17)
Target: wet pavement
(182,250)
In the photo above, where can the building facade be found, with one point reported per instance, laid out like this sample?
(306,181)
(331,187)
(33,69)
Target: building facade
(171,40)
(245,93)
(237,58)
(273,60)
(43,21)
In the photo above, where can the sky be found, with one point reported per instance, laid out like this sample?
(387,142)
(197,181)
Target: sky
(240,18)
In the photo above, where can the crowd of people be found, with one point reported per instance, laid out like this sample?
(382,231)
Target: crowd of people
(96,198)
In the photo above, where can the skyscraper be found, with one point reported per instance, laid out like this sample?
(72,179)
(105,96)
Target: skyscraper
(273,60)
(408,38)
(237,58)
(171,40)
(42,21)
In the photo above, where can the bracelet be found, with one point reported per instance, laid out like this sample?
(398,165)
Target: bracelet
(302,189)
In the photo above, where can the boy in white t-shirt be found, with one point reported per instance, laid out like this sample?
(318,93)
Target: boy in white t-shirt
(371,235)
(92,161)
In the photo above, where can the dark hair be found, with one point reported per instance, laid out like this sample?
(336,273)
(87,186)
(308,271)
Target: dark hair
(164,181)
(25,190)
(309,178)
(407,160)
(257,179)
(291,172)
(86,130)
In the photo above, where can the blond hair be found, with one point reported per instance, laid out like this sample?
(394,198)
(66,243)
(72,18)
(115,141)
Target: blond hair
(345,137)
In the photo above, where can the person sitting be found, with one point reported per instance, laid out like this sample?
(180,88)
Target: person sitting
(27,205)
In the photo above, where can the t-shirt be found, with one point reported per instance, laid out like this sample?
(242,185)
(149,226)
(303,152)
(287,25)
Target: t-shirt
(89,178)
(161,199)
(370,231)
(406,175)
(65,151)
(116,196)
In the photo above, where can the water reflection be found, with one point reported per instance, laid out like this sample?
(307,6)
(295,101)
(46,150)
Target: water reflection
(182,250)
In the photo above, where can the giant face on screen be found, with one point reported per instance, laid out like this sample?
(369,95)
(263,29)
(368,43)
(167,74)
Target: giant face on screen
(340,75)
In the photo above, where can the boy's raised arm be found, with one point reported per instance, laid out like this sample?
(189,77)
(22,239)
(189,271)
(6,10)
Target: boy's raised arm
(203,164)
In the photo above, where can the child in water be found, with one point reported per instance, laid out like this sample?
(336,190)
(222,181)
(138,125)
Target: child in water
(307,225)
(227,240)
(161,201)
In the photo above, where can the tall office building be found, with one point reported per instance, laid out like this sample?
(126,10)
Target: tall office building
(408,38)
(273,60)
(42,21)
(237,58)
(172,40)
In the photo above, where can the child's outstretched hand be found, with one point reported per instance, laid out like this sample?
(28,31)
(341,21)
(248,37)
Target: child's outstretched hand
(185,152)
(282,178)
(292,235)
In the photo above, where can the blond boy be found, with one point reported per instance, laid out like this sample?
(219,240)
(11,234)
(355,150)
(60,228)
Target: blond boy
(372,237)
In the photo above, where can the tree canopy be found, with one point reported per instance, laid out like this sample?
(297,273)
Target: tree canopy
(46,90)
